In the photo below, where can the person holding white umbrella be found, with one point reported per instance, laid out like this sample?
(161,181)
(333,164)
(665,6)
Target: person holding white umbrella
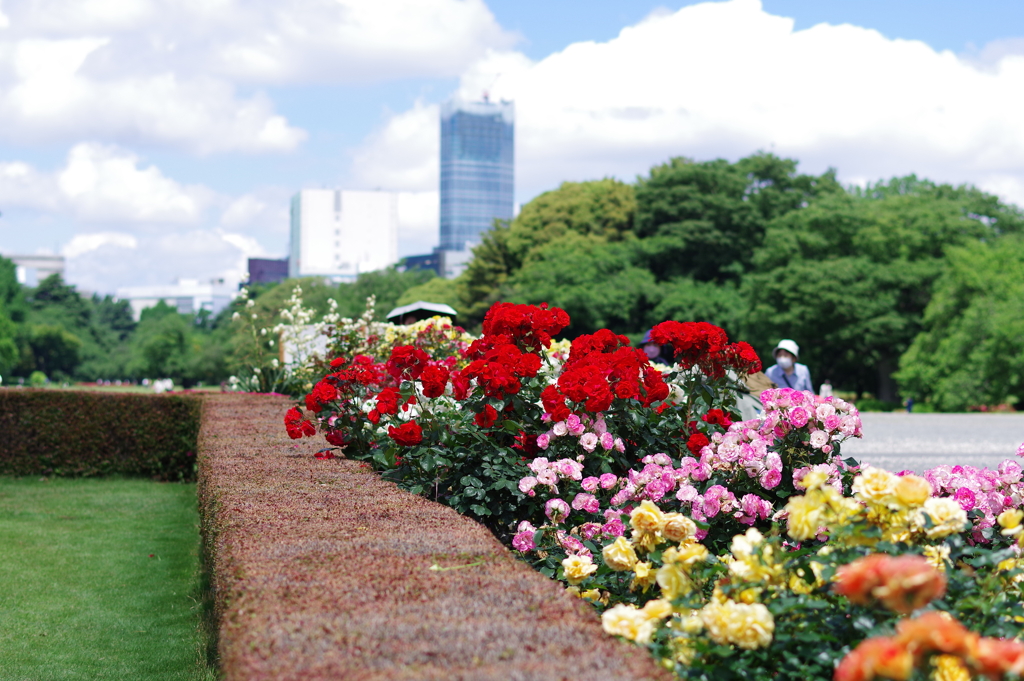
(787,372)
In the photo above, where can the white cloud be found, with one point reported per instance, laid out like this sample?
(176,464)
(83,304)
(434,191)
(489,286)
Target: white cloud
(168,71)
(727,79)
(103,183)
(419,214)
(403,155)
(47,92)
(81,244)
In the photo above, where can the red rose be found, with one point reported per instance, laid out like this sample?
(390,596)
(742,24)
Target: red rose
(697,442)
(296,426)
(717,417)
(434,379)
(337,438)
(460,385)
(407,435)
(407,362)
(487,417)
(323,392)
(387,401)
(373,416)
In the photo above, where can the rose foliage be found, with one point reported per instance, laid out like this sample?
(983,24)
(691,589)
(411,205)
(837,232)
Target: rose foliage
(731,549)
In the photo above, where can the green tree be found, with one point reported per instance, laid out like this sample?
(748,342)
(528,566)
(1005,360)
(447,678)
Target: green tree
(602,209)
(436,290)
(971,351)
(850,275)
(593,280)
(704,220)
(54,350)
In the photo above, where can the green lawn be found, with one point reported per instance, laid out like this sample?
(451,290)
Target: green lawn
(99,580)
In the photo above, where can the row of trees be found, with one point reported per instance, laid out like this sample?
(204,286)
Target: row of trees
(905,288)
(54,330)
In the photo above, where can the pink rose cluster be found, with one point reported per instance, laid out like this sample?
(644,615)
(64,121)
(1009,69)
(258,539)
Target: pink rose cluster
(989,491)
(548,473)
(591,433)
(741,447)
(719,500)
(833,473)
(823,420)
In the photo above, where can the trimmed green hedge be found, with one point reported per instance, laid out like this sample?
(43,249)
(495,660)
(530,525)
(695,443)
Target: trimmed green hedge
(77,434)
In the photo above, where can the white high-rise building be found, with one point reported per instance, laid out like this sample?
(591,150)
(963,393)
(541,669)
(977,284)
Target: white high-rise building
(340,233)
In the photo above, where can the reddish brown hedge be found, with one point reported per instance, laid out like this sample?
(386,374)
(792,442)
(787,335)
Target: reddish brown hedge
(321,570)
(87,433)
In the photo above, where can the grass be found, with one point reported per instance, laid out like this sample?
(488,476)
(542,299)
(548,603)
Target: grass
(99,579)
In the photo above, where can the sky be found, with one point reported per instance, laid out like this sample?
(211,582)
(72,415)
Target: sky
(148,140)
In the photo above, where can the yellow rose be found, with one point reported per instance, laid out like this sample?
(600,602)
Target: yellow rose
(912,490)
(805,516)
(686,554)
(643,576)
(746,625)
(813,480)
(875,485)
(949,668)
(646,518)
(673,581)
(678,528)
(658,609)
(578,568)
(619,555)
(946,515)
(937,556)
(623,620)
(1010,520)
(592,595)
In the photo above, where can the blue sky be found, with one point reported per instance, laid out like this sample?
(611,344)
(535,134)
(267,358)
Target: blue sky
(146,144)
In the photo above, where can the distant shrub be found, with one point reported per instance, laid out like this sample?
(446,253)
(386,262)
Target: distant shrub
(79,434)
(871,404)
(37,379)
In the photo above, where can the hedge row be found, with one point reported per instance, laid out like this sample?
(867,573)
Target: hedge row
(81,433)
(321,570)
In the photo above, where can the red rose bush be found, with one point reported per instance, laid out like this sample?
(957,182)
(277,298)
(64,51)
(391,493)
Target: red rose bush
(731,548)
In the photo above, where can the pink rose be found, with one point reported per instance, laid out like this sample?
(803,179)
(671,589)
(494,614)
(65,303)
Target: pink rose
(607,441)
(586,502)
(524,542)
(556,510)
(608,480)
(589,442)
(590,483)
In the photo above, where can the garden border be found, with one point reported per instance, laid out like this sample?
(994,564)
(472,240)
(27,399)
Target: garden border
(321,570)
(78,433)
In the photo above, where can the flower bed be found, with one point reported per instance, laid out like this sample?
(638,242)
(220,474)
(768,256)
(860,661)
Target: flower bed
(83,433)
(322,570)
(730,549)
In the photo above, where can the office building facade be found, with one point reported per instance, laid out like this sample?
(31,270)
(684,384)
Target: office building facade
(340,234)
(477,169)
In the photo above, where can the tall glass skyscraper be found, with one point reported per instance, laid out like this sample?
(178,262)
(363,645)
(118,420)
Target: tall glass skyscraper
(476,169)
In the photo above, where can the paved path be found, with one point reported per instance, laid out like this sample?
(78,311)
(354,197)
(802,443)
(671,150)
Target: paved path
(900,441)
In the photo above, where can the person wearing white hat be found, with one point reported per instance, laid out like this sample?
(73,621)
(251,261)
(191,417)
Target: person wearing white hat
(786,372)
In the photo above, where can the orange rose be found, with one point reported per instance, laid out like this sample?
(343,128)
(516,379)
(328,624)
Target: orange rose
(902,583)
(996,657)
(858,579)
(909,583)
(876,657)
(936,632)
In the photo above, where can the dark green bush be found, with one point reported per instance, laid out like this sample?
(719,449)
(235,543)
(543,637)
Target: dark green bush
(78,434)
